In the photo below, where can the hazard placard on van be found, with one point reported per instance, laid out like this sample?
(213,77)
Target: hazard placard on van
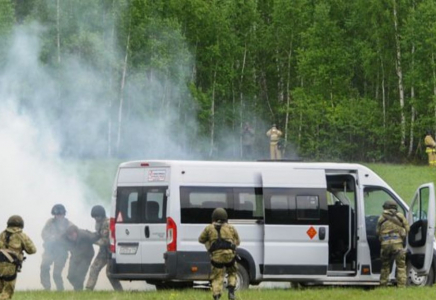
(157,175)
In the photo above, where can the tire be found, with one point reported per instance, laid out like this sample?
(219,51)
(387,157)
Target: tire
(413,279)
(242,278)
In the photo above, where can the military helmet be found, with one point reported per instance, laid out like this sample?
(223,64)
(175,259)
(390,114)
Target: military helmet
(98,211)
(390,205)
(58,209)
(219,214)
(16,221)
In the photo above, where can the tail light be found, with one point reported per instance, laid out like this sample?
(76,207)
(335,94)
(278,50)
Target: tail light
(112,234)
(171,235)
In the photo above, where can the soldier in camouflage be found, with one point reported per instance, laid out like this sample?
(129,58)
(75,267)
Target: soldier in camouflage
(55,248)
(13,241)
(221,240)
(103,256)
(80,243)
(392,229)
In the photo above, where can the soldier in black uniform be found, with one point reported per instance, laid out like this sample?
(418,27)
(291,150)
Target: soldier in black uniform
(80,244)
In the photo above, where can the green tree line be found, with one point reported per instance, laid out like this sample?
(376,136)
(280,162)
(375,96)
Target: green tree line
(346,80)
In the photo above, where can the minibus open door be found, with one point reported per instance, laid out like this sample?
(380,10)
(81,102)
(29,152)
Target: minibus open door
(421,218)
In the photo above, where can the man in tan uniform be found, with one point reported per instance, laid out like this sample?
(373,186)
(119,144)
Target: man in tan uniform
(221,240)
(274,136)
(13,241)
(392,229)
(430,149)
(103,256)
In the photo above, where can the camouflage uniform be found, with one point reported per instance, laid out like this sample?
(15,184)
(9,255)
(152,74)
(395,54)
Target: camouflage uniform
(222,260)
(430,146)
(55,252)
(103,256)
(392,229)
(274,134)
(82,252)
(14,241)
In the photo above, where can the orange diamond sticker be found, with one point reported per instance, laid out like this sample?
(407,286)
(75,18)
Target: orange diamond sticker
(311,232)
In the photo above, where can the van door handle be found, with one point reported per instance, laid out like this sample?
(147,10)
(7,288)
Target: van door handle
(321,233)
(147,232)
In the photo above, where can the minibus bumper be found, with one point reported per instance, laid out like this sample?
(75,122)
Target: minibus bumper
(187,265)
(135,272)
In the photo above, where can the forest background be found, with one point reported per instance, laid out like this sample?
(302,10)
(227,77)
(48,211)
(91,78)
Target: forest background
(344,80)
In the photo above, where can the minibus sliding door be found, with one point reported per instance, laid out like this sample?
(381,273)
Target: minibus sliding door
(296,224)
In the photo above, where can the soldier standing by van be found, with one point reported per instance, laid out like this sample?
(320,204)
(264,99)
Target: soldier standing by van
(274,135)
(82,251)
(392,229)
(430,149)
(13,241)
(55,247)
(221,240)
(102,228)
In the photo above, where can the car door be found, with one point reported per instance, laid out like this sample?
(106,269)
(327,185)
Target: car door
(153,237)
(140,229)
(296,223)
(421,217)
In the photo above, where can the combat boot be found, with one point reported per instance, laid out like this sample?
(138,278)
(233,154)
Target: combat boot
(231,292)
(216,297)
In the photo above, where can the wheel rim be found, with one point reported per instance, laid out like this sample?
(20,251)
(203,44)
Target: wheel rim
(239,279)
(416,279)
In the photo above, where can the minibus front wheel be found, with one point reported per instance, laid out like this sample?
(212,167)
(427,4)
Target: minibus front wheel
(413,279)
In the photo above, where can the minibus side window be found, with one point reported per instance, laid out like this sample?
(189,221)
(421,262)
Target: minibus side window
(248,203)
(374,197)
(308,208)
(295,206)
(198,203)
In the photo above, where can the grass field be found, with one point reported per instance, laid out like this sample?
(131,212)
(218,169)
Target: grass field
(252,294)
(404,179)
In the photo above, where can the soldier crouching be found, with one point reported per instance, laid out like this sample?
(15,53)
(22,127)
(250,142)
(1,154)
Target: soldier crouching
(13,241)
(221,240)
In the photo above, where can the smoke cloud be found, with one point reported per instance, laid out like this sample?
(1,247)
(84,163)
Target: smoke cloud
(52,119)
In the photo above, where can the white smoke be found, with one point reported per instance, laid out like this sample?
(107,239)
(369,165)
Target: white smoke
(34,174)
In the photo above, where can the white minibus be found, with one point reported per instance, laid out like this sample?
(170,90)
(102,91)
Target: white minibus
(307,223)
